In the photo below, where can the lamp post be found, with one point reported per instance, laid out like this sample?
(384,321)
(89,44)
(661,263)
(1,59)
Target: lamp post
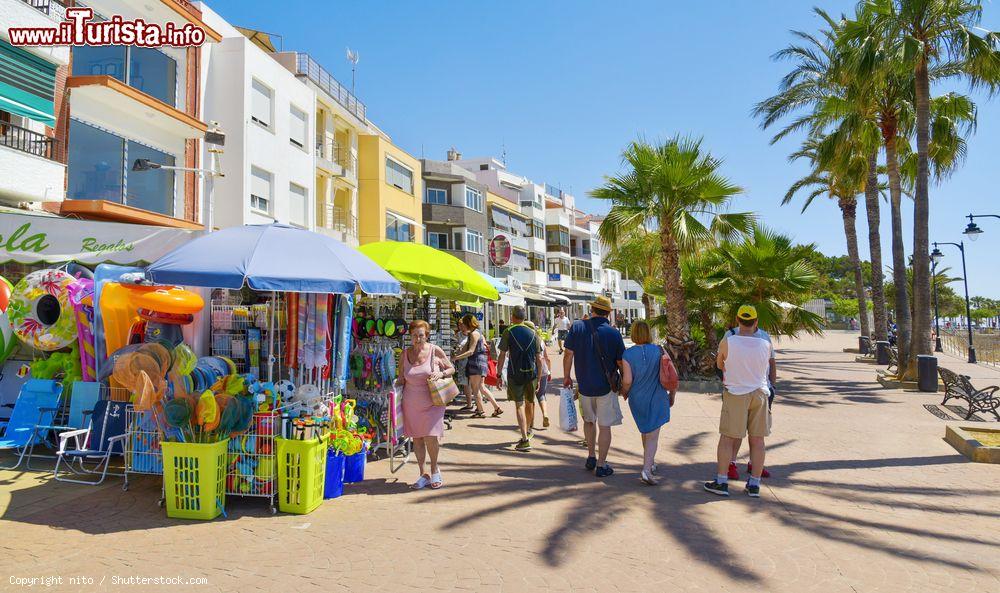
(972,230)
(937,256)
(937,326)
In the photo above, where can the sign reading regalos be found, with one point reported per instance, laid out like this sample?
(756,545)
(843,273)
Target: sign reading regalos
(31,239)
(500,250)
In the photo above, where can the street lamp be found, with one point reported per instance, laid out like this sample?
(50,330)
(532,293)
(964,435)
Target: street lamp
(936,257)
(972,230)
(217,139)
(937,325)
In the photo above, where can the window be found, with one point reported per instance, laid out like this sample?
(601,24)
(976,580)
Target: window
(261,98)
(538,231)
(436,195)
(583,270)
(298,127)
(397,229)
(260,190)
(536,262)
(484,167)
(437,240)
(559,267)
(631,295)
(473,241)
(500,219)
(473,199)
(97,170)
(557,239)
(148,70)
(298,198)
(457,243)
(398,175)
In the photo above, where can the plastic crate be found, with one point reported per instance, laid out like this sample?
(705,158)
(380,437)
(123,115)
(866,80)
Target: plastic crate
(301,474)
(194,479)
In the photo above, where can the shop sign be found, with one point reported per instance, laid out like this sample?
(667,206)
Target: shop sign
(500,250)
(555,277)
(31,239)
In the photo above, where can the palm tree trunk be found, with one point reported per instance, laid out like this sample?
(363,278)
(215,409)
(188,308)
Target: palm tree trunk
(920,342)
(848,208)
(880,331)
(647,303)
(673,288)
(708,327)
(899,281)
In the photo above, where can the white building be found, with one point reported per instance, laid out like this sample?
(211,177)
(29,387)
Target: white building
(268,116)
(631,304)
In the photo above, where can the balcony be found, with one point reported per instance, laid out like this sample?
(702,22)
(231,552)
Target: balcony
(42,6)
(337,160)
(339,223)
(29,171)
(310,68)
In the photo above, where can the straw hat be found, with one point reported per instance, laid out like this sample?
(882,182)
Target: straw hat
(602,303)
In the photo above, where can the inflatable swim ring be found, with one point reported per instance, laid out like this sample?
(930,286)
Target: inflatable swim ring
(40,311)
(7,341)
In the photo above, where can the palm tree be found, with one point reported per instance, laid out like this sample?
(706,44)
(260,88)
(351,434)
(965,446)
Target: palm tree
(819,83)
(636,256)
(671,187)
(843,186)
(942,34)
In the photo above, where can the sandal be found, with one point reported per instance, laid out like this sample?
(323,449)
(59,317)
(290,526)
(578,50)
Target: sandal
(497,412)
(436,481)
(421,482)
(478,415)
(466,408)
(647,479)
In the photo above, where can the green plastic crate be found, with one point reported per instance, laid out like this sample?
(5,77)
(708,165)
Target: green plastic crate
(194,479)
(301,474)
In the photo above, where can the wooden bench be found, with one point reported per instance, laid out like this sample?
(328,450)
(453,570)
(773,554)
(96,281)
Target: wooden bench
(960,387)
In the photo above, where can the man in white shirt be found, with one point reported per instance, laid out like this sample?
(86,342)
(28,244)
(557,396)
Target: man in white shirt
(772,375)
(560,327)
(745,363)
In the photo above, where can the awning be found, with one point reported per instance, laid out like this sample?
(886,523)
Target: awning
(519,226)
(500,218)
(513,298)
(537,297)
(30,238)
(572,295)
(27,84)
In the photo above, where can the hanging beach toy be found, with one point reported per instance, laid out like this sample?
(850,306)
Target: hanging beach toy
(40,310)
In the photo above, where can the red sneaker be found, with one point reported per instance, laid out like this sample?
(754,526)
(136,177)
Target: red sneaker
(734,472)
(763,474)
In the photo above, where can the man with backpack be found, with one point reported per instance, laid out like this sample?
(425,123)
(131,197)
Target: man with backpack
(597,349)
(522,345)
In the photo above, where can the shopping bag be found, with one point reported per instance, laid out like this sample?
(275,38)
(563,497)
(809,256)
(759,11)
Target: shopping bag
(567,411)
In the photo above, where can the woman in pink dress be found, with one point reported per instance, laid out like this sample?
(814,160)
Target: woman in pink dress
(422,420)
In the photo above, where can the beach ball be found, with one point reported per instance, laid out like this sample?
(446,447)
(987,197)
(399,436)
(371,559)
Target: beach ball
(7,341)
(40,311)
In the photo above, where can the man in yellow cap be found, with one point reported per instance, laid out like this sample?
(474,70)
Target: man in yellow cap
(745,361)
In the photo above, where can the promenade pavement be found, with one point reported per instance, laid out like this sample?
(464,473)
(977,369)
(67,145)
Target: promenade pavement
(865,496)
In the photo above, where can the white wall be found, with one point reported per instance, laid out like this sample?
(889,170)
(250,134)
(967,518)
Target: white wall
(228,69)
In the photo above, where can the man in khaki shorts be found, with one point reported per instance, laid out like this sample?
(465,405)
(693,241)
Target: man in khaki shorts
(744,361)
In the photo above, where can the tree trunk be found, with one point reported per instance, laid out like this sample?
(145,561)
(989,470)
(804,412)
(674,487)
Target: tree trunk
(647,303)
(920,342)
(899,281)
(880,331)
(848,208)
(708,327)
(676,305)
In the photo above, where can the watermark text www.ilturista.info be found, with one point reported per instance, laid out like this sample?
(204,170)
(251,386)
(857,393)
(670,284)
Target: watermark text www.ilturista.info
(80,28)
(43,582)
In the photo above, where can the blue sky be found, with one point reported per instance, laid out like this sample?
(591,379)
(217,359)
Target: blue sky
(562,86)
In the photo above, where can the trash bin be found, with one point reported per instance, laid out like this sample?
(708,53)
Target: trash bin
(881,352)
(864,344)
(927,374)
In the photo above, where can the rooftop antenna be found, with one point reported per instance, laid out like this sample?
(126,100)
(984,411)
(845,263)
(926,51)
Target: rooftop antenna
(353,58)
(503,153)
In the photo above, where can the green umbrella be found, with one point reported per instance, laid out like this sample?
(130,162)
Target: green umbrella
(422,269)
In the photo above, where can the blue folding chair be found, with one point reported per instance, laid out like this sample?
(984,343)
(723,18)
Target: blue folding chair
(81,403)
(31,419)
(94,445)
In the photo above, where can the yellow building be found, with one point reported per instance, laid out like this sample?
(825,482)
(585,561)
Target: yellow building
(390,191)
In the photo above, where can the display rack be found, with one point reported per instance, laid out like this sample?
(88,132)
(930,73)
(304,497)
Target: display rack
(143,452)
(252,461)
(243,333)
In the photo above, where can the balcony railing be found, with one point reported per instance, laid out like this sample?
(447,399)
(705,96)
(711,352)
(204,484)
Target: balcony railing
(310,68)
(27,141)
(344,221)
(39,5)
(332,151)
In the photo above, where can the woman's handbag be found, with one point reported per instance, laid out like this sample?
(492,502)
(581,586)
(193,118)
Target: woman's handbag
(668,374)
(443,390)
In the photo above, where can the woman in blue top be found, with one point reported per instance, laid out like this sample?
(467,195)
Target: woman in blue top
(648,400)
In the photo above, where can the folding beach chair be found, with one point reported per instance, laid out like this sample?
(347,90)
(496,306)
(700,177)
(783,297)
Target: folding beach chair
(94,445)
(31,419)
(81,404)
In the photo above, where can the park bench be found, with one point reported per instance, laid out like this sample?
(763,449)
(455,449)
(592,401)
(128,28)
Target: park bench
(893,368)
(960,387)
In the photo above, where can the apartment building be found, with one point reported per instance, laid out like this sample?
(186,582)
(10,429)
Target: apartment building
(509,233)
(340,120)
(32,82)
(390,190)
(455,212)
(268,115)
(125,103)
(631,304)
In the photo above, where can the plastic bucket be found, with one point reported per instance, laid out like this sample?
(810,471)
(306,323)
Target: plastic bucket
(354,467)
(334,485)
(194,479)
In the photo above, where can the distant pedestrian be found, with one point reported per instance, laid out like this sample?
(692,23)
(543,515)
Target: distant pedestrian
(647,398)
(743,360)
(597,349)
(560,327)
(524,347)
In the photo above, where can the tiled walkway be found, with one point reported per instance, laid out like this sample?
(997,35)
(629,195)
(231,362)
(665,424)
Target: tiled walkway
(865,496)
